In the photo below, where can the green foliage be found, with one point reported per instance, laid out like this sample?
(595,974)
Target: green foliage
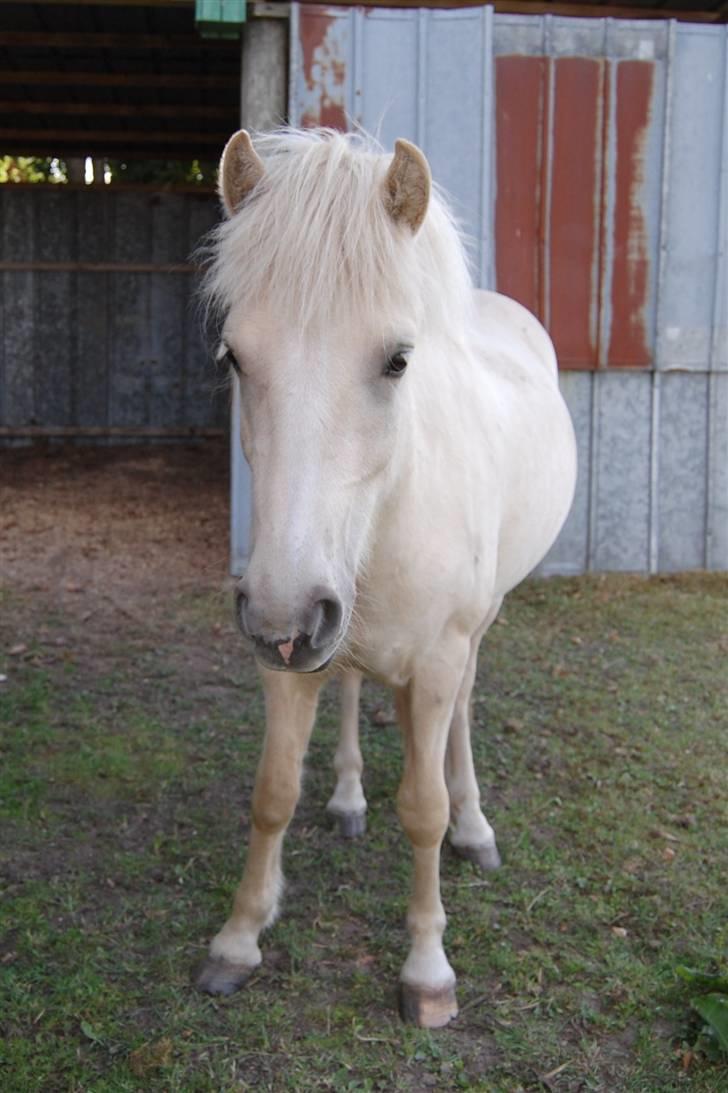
(713,1005)
(31,169)
(163,170)
(50,169)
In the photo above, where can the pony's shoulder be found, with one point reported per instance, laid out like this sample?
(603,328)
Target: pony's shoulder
(500,316)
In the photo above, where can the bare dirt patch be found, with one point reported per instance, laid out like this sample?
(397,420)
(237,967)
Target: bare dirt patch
(116,524)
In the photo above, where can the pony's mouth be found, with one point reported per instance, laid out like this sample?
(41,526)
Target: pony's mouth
(299,658)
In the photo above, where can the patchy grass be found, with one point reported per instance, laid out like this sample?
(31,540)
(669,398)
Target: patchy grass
(128,753)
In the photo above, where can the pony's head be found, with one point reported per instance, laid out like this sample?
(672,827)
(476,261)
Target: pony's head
(334,271)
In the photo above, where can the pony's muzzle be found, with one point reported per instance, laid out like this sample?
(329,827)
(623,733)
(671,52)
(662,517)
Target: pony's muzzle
(309,641)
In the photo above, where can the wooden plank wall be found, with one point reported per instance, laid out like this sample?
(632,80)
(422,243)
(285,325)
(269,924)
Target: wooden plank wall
(110,347)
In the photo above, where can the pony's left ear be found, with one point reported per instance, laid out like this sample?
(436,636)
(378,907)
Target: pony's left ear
(407,186)
(241,169)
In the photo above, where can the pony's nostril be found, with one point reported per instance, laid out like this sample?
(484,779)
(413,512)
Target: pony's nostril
(327,615)
(241,607)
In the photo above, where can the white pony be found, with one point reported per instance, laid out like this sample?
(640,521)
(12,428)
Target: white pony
(412,461)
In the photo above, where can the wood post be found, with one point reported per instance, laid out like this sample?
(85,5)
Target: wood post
(263,76)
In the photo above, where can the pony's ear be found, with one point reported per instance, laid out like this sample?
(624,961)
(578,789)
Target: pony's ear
(241,168)
(407,185)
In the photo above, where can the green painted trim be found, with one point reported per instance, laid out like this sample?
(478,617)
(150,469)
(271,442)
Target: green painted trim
(219,18)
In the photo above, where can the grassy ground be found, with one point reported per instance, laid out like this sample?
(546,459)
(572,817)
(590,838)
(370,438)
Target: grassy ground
(128,750)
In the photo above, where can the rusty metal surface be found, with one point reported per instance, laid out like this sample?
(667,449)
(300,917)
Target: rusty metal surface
(421,74)
(583,141)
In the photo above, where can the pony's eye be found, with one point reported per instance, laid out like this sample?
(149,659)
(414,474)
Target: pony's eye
(397,363)
(226,359)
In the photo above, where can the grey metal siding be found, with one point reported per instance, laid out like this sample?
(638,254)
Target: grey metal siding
(109,347)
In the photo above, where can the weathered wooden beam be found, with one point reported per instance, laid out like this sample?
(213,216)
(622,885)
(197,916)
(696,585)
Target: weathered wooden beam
(83,80)
(117,110)
(134,187)
(112,136)
(179,431)
(104,3)
(97,267)
(44,39)
(179,151)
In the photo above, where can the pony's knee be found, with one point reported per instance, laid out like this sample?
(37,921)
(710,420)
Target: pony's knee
(424,812)
(274,804)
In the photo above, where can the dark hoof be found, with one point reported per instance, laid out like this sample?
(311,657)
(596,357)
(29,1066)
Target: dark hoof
(351,825)
(427,1008)
(485,857)
(215,975)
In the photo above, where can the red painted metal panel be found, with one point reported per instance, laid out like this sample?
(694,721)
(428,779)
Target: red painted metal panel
(575,210)
(520,91)
(628,341)
(571,232)
(324,68)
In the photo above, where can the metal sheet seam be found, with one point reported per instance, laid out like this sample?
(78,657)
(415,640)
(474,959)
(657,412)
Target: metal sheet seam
(652,511)
(662,252)
(608,201)
(713,426)
(423,17)
(593,471)
(294,37)
(356,84)
(710,449)
(547,172)
(487,164)
(720,288)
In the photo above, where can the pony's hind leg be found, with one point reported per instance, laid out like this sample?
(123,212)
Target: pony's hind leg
(348,804)
(471,836)
(424,708)
(290,710)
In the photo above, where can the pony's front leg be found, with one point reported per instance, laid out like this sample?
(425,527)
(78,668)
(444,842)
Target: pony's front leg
(425,706)
(348,804)
(290,702)
(471,836)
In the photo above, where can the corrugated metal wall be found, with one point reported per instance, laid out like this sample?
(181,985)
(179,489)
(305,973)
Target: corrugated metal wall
(612,224)
(92,331)
(589,161)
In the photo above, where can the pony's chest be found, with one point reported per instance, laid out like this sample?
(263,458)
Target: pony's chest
(407,607)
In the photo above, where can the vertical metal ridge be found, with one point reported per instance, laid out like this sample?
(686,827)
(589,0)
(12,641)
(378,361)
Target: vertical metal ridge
(595,380)
(655,422)
(356,88)
(720,286)
(652,508)
(601,249)
(608,198)
(665,188)
(487,156)
(547,166)
(423,23)
(294,39)
(716,427)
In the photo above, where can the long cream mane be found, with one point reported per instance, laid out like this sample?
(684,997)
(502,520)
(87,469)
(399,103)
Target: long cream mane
(314,240)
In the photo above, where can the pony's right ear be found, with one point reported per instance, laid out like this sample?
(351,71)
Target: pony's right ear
(241,169)
(407,186)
